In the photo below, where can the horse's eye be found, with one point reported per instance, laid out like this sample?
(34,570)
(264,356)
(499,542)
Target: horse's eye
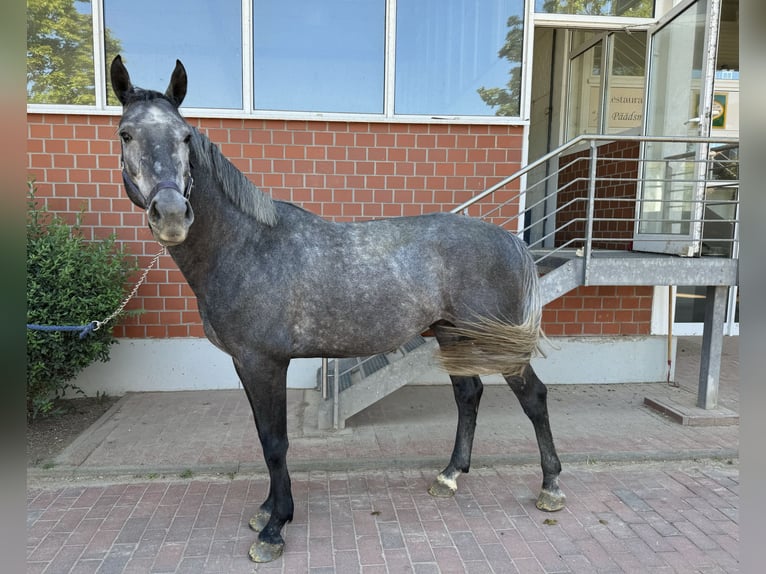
(126,137)
(187,139)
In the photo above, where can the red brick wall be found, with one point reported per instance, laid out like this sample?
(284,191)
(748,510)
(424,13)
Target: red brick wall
(600,310)
(614,208)
(339,170)
(342,171)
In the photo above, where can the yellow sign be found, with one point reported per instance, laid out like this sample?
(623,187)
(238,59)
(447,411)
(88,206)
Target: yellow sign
(719,111)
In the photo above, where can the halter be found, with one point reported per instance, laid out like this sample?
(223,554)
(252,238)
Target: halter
(135,195)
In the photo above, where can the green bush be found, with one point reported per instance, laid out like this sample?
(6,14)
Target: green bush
(70,281)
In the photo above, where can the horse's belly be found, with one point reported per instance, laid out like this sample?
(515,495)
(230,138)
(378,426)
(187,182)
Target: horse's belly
(358,336)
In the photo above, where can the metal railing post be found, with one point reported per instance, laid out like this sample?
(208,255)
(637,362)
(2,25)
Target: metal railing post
(325,382)
(591,208)
(336,395)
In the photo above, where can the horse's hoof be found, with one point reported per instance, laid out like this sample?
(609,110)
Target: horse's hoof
(266,551)
(443,487)
(259,521)
(551,501)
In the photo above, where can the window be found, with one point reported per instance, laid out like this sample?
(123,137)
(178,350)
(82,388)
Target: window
(60,52)
(459,58)
(296,58)
(319,56)
(611,104)
(624,99)
(629,8)
(205,35)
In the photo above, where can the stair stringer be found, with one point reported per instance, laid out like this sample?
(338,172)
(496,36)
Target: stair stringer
(561,280)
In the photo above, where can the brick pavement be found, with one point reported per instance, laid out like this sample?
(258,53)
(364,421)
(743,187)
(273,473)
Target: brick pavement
(649,517)
(114,501)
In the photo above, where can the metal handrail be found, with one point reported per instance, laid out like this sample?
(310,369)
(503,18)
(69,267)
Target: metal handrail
(589,143)
(574,143)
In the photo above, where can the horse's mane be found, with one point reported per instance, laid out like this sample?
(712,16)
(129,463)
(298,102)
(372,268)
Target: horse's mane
(238,189)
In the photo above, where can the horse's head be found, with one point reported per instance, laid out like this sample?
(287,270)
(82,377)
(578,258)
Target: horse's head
(155,153)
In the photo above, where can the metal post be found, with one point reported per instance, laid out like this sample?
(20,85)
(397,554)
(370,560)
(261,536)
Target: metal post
(325,382)
(591,207)
(336,395)
(712,347)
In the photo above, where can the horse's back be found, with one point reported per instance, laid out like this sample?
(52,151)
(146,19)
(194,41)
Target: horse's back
(428,245)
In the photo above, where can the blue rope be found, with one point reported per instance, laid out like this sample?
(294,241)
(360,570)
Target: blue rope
(84,330)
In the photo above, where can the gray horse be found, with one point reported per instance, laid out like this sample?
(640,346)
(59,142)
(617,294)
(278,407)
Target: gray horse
(274,282)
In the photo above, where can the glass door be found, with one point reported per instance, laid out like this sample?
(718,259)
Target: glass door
(681,67)
(585,101)
(606,82)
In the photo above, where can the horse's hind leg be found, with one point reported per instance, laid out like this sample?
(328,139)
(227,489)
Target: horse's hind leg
(467,392)
(532,395)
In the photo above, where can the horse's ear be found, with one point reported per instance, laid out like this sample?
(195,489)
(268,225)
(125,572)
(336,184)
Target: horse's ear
(120,79)
(176,91)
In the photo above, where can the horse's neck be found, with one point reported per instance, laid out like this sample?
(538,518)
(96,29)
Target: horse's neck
(218,226)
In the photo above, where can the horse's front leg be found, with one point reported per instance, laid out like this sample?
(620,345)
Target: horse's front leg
(265,383)
(467,392)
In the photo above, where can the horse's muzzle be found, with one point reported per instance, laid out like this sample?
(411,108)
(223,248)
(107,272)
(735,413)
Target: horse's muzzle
(170,216)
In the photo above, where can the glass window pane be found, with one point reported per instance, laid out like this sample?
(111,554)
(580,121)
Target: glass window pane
(628,8)
(584,102)
(60,52)
(691,302)
(625,84)
(205,35)
(319,56)
(459,58)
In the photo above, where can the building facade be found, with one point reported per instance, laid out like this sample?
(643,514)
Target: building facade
(359,110)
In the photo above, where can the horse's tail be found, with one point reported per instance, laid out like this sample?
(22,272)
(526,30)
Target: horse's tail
(490,345)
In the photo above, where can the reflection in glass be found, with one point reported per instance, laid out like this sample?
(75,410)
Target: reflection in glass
(60,52)
(628,8)
(205,36)
(319,56)
(691,302)
(458,58)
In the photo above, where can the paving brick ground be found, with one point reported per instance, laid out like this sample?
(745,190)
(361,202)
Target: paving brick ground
(645,494)
(648,517)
